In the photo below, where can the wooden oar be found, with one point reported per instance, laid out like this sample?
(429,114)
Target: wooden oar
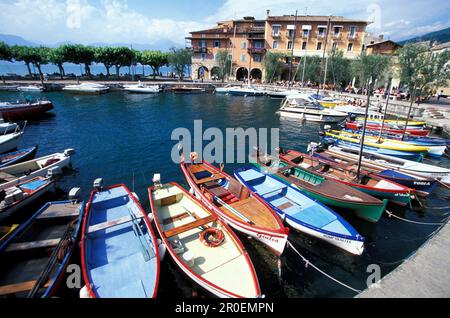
(233,210)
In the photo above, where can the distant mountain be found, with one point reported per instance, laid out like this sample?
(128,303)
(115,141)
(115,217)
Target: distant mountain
(440,36)
(16,40)
(162,45)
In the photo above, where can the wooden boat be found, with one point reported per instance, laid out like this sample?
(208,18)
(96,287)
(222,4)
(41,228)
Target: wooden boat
(303,107)
(20,172)
(377,128)
(428,148)
(418,157)
(202,245)
(423,185)
(119,253)
(396,122)
(187,90)
(301,212)
(17,197)
(374,142)
(21,111)
(375,160)
(35,256)
(7,230)
(14,157)
(325,190)
(346,174)
(236,205)
(10,141)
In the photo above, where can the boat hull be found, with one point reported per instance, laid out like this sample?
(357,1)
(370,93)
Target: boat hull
(25,111)
(10,143)
(310,116)
(21,155)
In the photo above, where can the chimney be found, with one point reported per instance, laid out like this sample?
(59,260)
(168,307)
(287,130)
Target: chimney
(267,13)
(381,37)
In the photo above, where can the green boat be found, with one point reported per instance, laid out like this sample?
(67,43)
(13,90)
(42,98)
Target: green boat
(329,192)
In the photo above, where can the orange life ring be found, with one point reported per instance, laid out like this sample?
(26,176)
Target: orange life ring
(212,237)
(193,156)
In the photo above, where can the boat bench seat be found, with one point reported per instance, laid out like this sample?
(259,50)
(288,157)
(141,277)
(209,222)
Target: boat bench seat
(189,226)
(7,177)
(108,224)
(12,289)
(24,246)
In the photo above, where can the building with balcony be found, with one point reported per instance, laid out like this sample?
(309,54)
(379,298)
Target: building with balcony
(247,40)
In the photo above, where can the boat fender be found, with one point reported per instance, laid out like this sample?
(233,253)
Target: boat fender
(135,196)
(161,249)
(150,216)
(84,293)
(212,237)
(188,258)
(191,191)
(193,156)
(63,250)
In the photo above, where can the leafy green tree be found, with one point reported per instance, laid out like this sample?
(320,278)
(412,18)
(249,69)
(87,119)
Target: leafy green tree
(311,69)
(224,63)
(105,55)
(155,59)
(79,54)
(40,56)
(422,69)
(57,56)
(122,56)
(367,66)
(179,59)
(338,68)
(24,54)
(273,63)
(5,52)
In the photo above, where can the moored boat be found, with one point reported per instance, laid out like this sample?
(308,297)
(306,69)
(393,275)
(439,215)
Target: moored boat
(396,122)
(303,107)
(24,110)
(301,212)
(347,174)
(377,128)
(202,245)
(20,172)
(408,166)
(235,204)
(11,158)
(36,254)
(187,89)
(86,88)
(10,141)
(142,89)
(119,251)
(6,231)
(247,90)
(30,89)
(15,198)
(325,190)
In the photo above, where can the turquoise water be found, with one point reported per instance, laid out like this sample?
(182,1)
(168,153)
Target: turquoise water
(126,138)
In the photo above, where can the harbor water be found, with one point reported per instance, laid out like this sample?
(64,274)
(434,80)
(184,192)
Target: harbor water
(126,138)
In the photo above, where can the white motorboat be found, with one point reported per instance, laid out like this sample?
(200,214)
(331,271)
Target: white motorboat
(30,89)
(141,88)
(246,91)
(6,127)
(281,93)
(225,89)
(43,166)
(9,142)
(357,110)
(86,88)
(304,107)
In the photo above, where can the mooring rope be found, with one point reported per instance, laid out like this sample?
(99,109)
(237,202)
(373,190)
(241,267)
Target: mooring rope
(390,214)
(307,262)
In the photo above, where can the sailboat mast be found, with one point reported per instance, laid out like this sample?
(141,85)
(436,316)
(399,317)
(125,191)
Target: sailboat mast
(324,50)
(389,89)
(292,49)
(413,96)
(361,147)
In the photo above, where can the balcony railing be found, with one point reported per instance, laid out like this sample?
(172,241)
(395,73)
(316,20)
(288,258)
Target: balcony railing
(198,49)
(352,36)
(276,35)
(320,35)
(256,50)
(337,36)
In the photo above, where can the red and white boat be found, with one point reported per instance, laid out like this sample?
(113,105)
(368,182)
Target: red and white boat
(236,205)
(202,245)
(387,128)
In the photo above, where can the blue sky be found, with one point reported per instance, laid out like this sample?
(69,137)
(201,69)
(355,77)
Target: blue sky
(150,21)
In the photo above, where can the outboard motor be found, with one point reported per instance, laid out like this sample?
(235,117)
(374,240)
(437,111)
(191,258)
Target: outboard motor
(69,152)
(98,184)
(54,171)
(74,193)
(157,180)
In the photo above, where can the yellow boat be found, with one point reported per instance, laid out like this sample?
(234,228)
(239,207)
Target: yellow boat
(394,121)
(375,142)
(329,104)
(6,231)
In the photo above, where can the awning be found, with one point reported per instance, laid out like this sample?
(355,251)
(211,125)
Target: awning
(306,27)
(291,27)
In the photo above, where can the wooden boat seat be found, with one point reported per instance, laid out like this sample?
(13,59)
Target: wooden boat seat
(205,180)
(58,214)
(174,218)
(24,246)
(108,224)
(189,226)
(285,206)
(12,289)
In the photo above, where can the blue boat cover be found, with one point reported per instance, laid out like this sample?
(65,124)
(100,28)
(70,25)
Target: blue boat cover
(34,185)
(395,174)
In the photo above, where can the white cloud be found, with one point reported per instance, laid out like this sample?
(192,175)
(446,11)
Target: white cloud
(52,21)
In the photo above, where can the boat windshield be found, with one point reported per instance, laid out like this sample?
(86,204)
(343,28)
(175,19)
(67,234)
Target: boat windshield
(303,102)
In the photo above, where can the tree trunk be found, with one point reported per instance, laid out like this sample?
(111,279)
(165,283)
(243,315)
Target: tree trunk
(29,69)
(107,70)
(61,70)
(117,71)
(87,69)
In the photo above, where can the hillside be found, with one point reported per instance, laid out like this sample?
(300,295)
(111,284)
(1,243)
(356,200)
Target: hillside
(440,36)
